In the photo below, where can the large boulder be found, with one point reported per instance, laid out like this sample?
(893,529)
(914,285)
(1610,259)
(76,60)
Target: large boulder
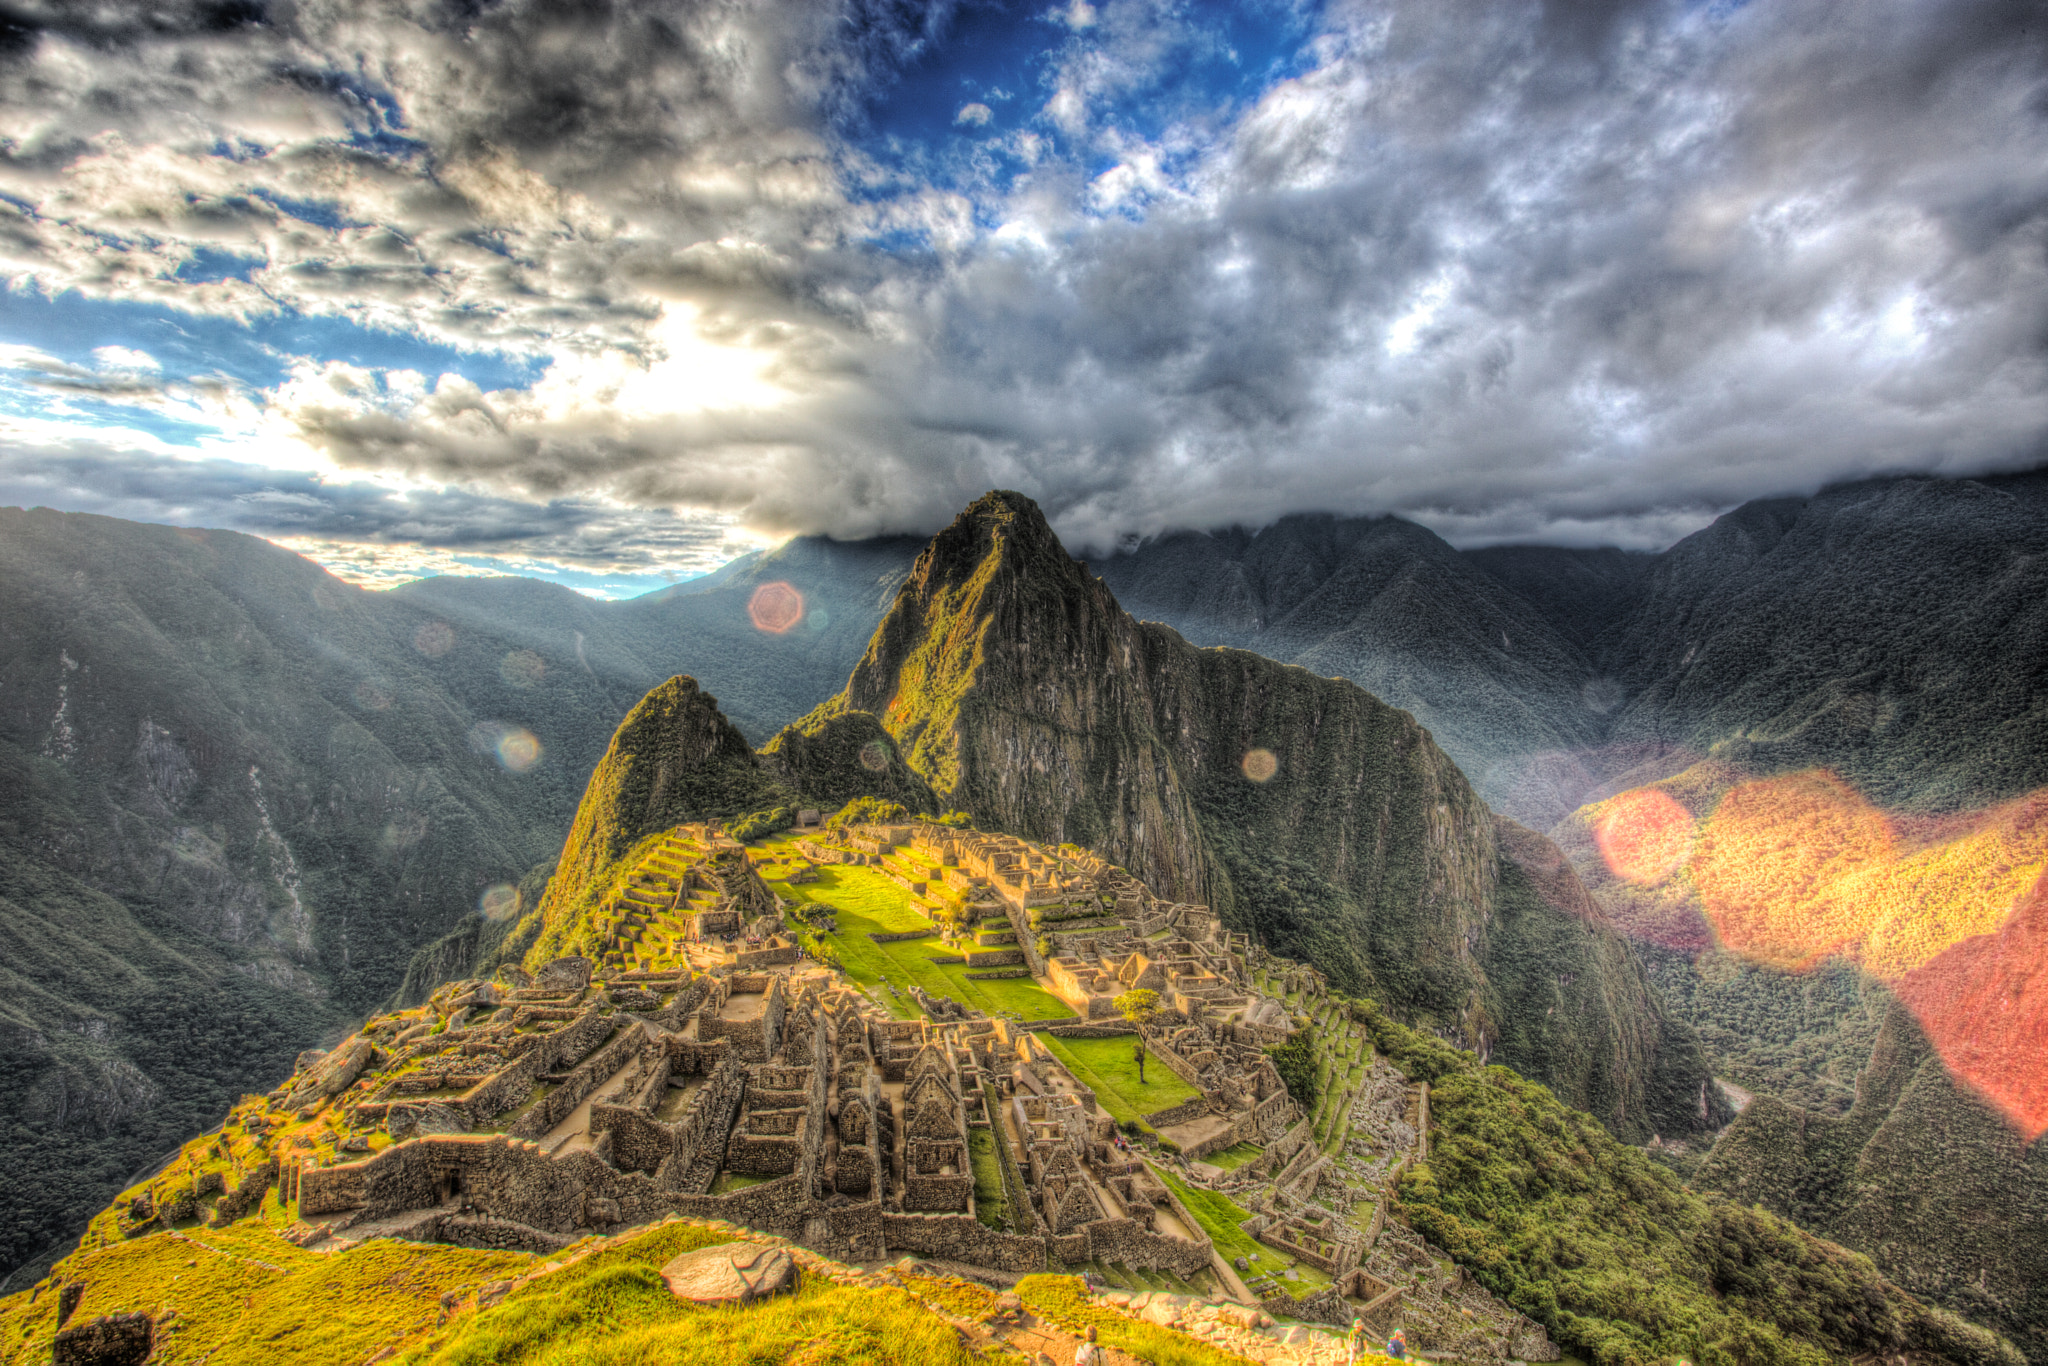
(334,1074)
(110,1340)
(731,1273)
(564,974)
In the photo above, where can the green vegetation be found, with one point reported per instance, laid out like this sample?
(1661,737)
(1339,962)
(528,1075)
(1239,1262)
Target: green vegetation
(1108,1068)
(1296,1061)
(1063,1300)
(1802,1037)
(612,1308)
(755,824)
(244,1295)
(1235,1156)
(990,1204)
(866,901)
(1140,1007)
(867,811)
(1623,1264)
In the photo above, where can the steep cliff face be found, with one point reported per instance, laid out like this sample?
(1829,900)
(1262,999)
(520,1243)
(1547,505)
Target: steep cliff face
(1922,1174)
(1301,807)
(1392,607)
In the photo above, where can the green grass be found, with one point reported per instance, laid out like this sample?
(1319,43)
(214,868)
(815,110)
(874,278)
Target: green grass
(244,1294)
(1105,1066)
(613,1308)
(989,1201)
(735,1181)
(866,902)
(1235,1156)
(1220,1216)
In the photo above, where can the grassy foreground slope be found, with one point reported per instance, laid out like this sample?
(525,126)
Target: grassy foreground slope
(244,1295)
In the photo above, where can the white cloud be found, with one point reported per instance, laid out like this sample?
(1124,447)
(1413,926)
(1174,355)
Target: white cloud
(1508,270)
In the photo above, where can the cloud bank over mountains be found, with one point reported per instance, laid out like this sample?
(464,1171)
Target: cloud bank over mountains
(606,281)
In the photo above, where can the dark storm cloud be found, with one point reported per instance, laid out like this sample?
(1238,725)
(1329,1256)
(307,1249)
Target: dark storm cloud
(1585,270)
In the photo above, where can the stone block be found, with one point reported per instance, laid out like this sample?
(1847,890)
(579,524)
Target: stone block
(110,1340)
(731,1273)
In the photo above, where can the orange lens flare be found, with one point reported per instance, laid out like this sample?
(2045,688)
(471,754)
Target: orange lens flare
(1984,1005)
(1643,836)
(1771,860)
(1260,765)
(1951,913)
(775,608)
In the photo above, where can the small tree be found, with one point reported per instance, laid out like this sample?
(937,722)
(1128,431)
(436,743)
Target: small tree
(1139,1007)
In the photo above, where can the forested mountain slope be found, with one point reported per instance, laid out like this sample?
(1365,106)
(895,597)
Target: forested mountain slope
(1392,607)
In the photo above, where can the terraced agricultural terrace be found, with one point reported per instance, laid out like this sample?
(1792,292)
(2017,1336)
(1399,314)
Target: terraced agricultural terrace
(869,1040)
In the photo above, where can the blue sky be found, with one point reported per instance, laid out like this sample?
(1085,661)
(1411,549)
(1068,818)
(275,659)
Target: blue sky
(612,296)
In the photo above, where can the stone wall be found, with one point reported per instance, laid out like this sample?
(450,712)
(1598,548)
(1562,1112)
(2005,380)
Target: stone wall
(1182,1113)
(753,1154)
(588,1075)
(1131,1243)
(639,1144)
(1106,1029)
(1175,1063)
(936,1191)
(510,1086)
(962,1238)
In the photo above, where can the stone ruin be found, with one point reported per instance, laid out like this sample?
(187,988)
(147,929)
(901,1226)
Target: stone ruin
(683,1070)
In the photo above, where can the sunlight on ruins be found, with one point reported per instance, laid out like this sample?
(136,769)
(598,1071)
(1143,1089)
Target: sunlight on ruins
(896,1038)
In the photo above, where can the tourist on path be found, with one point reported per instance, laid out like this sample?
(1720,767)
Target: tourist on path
(1397,1346)
(1356,1342)
(1088,1354)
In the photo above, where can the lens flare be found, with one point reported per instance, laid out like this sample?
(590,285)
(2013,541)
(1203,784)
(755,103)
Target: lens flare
(874,757)
(434,639)
(498,901)
(370,697)
(1260,765)
(515,748)
(1951,912)
(519,751)
(775,608)
(1984,1011)
(1643,836)
(522,668)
